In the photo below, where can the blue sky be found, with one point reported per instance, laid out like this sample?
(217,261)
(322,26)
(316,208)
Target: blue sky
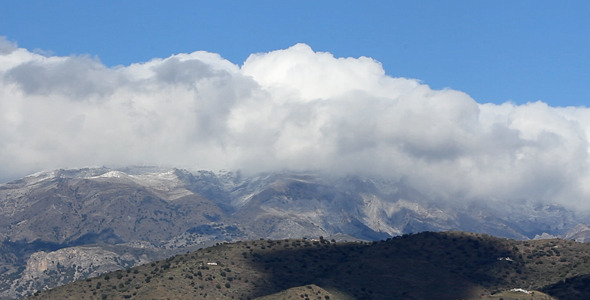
(495,51)
(286,100)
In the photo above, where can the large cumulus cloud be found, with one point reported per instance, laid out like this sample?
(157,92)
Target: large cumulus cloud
(288,109)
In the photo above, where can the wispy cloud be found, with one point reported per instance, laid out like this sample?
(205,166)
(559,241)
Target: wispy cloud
(287,109)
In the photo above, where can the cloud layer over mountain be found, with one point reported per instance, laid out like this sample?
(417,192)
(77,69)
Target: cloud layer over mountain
(288,109)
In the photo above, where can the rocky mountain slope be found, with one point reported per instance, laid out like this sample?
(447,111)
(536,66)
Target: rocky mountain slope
(128,216)
(444,265)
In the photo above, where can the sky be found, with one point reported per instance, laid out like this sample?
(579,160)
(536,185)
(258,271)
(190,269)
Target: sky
(496,51)
(484,100)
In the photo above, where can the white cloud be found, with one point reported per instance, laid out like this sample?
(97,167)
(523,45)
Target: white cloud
(287,109)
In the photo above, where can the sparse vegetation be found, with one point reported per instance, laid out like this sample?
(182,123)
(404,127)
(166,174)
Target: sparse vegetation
(428,265)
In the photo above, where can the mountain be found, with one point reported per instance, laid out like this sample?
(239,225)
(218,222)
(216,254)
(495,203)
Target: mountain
(428,265)
(140,214)
(580,233)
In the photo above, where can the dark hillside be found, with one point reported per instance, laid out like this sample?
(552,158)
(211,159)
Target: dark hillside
(576,287)
(449,265)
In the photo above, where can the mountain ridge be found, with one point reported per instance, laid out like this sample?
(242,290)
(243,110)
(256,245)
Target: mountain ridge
(427,265)
(173,210)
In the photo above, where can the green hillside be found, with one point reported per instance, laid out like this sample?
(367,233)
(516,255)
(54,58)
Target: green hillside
(446,265)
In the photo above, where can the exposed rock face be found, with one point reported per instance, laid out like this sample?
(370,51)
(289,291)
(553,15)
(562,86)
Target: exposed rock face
(49,269)
(46,218)
(580,233)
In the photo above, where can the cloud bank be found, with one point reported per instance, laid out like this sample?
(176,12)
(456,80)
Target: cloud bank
(290,109)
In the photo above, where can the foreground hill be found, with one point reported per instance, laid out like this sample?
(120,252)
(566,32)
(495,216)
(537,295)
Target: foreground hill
(84,222)
(445,265)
